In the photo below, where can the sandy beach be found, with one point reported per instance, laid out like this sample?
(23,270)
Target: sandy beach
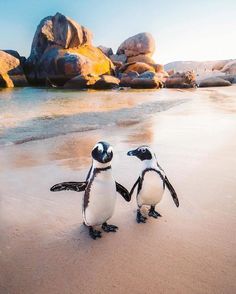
(44,247)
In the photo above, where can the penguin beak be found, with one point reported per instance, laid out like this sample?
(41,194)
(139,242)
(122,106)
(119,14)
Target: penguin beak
(132,153)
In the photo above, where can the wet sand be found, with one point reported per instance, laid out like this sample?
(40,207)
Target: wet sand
(44,248)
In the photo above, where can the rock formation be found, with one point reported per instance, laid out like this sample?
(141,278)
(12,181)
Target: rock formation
(11,71)
(181,80)
(214,82)
(61,50)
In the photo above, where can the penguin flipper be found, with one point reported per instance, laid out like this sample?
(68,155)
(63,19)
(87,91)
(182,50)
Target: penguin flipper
(172,191)
(123,192)
(75,186)
(138,182)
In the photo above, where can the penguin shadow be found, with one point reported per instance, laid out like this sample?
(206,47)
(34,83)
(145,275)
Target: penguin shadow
(78,237)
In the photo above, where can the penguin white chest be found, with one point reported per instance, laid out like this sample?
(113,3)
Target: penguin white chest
(101,199)
(152,189)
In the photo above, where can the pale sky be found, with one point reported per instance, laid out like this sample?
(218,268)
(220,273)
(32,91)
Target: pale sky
(183,30)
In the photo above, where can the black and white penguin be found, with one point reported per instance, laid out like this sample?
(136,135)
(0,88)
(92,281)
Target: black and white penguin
(151,183)
(100,191)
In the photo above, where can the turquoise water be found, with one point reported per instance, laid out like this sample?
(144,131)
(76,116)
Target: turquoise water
(28,114)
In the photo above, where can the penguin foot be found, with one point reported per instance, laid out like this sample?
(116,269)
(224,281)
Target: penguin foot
(109,228)
(94,233)
(153,213)
(140,218)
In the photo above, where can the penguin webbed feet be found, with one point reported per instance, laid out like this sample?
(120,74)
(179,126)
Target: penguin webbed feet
(140,218)
(153,213)
(94,234)
(109,228)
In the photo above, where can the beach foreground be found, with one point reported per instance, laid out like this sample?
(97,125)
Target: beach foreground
(46,249)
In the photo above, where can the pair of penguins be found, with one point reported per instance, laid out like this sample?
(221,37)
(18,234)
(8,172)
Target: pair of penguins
(100,188)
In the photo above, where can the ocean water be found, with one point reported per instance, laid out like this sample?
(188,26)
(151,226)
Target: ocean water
(28,114)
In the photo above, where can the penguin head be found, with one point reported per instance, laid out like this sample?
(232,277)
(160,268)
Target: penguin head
(142,152)
(102,152)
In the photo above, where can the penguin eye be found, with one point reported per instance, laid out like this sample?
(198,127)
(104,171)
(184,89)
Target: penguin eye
(109,150)
(143,150)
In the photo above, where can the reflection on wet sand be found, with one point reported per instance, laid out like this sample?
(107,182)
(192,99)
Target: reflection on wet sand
(74,152)
(141,134)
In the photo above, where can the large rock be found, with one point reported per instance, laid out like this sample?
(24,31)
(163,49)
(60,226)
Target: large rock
(141,58)
(220,64)
(142,43)
(106,50)
(118,58)
(214,82)
(106,82)
(139,67)
(181,80)
(146,83)
(61,50)
(127,78)
(81,82)
(11,71)
(230,68)
(60,65)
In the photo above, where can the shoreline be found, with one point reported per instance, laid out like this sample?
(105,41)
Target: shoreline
(46,249)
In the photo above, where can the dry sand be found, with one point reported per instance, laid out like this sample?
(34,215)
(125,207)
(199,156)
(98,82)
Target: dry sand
(44,248)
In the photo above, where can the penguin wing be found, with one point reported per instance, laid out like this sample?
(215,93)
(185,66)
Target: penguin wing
(138,182)
(123,192)
(75,186)
(172,191)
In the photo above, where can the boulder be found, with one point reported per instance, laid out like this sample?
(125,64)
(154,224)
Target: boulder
(139,67)
(60,65)
(11,71)
(141,58)
(147,75)
(106,82)
(126,78)
(105,50)
(142,43)
(181,80)
(145,83)
(220,64)
(214,82)
(118,58)
(60,31)
(81,82)
(61,50)
(6,81)
(230,68)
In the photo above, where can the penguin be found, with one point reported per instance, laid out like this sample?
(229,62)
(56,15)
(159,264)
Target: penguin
(100,191)
(151,183)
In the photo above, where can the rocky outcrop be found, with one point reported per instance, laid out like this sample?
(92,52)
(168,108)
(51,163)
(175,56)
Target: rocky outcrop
(118,58)
(61,50)
(81,82)
(229,68)
(141,58)
(139,67)
(146,80)
(11,71)
(214,82)
(106,82)
(105,50)
(127,78)
(181,80)
(93,82)
(218,65)
(142,43)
